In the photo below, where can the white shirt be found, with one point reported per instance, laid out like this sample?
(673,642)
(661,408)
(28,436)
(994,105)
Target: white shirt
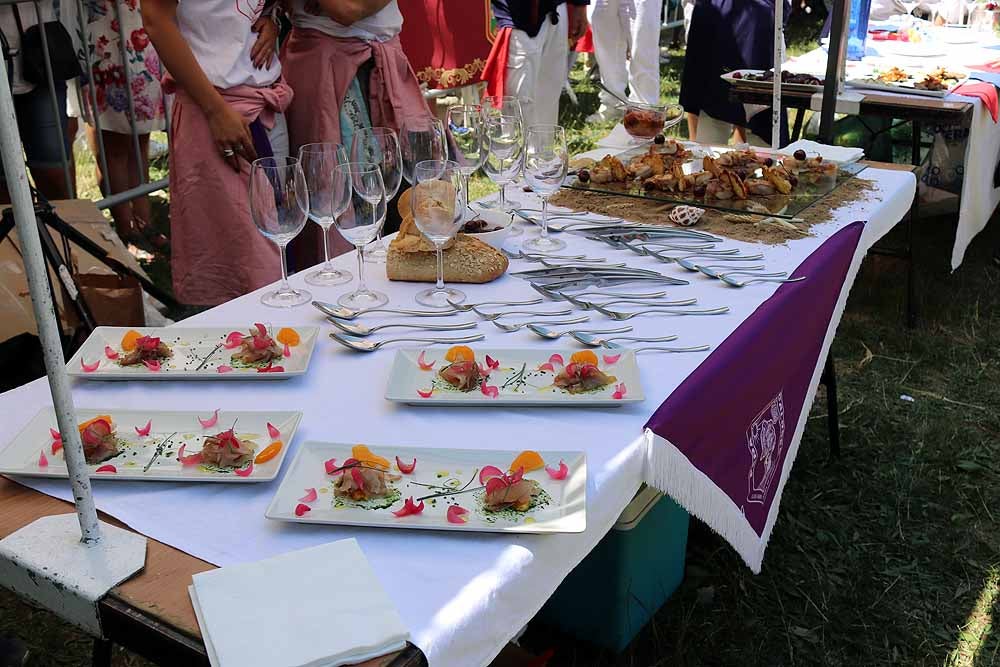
(67,15)
(220,36)
(379,27)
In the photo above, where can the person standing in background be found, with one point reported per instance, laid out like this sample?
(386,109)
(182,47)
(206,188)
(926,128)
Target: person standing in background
(531,53)
(107,72)
(228,110)
(627,49)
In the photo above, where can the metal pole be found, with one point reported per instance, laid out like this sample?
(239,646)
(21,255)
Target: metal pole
(129,195)
(128,93)
(779,57)
(45,316)
(59,113)
(92,93)
(835,56)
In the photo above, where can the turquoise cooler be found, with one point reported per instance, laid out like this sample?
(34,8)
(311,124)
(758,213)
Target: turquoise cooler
(619,586)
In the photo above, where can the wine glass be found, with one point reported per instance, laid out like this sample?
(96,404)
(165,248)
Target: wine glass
(502,105)
(546,160)
(421,138)
(504,154)
(467,147)
(328,198)
(379,146)
(361,223)
(438,202)
(279,201)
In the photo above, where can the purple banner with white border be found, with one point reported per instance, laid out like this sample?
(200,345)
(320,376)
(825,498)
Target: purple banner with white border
(734,418)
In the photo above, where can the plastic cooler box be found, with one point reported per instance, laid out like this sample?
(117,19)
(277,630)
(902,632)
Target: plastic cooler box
(619,586)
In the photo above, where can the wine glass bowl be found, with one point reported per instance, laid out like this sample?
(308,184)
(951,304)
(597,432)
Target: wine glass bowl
(279,205)
(438,203)
(360,223)
(504,153)
(422,138)
(379,146)
(546,161)
(328,198)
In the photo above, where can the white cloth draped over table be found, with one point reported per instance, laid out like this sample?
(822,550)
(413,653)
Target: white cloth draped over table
(461,595)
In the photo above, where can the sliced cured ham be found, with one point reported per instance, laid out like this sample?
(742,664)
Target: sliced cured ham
(580,378)
(462,375)
(225,450)
(147,349)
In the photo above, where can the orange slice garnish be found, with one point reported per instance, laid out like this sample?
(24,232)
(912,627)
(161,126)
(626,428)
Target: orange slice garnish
(106,418)
(583,357)
(289,337)
(129,339)
(269,452)
(365,455)
(528,460)
(460,353)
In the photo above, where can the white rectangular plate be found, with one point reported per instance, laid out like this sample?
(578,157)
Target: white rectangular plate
(22,455)
(565,501)
(190,345)
(407,380)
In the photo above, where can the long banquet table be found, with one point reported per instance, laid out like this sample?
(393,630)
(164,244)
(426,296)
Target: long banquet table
(462,595)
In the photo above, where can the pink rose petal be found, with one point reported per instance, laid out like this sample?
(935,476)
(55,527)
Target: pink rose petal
(422,362)
(489,471)
(561,473)
(610,359)
(619,392)
(359,480)
(190,459)
(287,352)
(301,509)
(331,466)
(223,369)
(43,461)
(491,392)
(310,496)
(56,445)
(557,359)
(151,365)
(494,484)
(547,367)
(233,340)
(245,472)
(405,468)
(210,421)
(409,507)
(110,353)
(144,431)
(56,435)
(271,368)
(457,514)
(107,468)
(273,432)
(261,329)
(425,393)
(492,363)
(89,368)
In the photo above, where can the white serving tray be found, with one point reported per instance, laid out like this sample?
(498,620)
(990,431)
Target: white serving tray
(407,380)
(190,346)
(767,85)
(21,455)
(902,87)
(565,512)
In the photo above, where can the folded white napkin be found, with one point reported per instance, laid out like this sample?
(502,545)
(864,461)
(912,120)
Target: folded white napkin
(832,153)
(316,607)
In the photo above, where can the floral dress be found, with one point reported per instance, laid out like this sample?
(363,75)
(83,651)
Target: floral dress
(108,74)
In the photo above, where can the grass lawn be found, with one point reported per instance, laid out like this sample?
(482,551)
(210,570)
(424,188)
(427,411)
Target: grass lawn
(889,555)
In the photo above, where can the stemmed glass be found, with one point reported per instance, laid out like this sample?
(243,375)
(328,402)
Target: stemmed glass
(421,139)
(438,201)
(379,146)
(361,223)
(328,198)
(506,105)
(546,161)
(467,147)
(279,201)
(504,154)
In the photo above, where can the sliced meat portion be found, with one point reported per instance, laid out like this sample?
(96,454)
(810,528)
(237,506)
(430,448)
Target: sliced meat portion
(579,378)
(225,450)
(462,375)
(99,441)
(147,348)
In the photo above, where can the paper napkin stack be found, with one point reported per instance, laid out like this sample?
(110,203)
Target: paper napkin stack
(316,607)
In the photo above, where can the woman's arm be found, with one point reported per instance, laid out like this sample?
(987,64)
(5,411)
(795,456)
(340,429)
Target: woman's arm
(346,12)
(229,128)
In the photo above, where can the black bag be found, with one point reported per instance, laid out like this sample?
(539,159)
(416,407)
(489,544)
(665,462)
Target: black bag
(62,55)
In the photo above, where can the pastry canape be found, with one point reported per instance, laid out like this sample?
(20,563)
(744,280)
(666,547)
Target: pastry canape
(581,374)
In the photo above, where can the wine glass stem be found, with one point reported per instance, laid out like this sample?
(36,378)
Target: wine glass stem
(440,267)
(326,248)
(465,213)
(361,269)
(545,218)
(284,268)
(503,197)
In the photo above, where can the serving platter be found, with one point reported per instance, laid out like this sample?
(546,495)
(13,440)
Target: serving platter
(908,86)
(34,451)
(741,81)
(516,377)
(440,479)
(198,353)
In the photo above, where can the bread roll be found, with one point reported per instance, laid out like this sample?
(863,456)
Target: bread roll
(469,260)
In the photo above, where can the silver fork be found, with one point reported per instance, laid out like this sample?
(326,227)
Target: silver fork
(358,329)
(744,283)
(331,310)
(489,317)
(696,348)
(520,254)
(466,307)
(371,345)
(590,305)
(616,315)
(545,332)
(686,263)
(710,269)
(559,263)
(715,272)
(517,326)
(594,341)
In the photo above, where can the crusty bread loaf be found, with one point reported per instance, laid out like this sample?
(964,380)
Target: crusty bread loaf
(469,260)
(409,238)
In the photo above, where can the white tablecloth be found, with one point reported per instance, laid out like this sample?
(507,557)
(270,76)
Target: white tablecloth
(461,595)
(979,197)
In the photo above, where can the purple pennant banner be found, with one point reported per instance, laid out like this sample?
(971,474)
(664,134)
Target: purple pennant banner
(733,419)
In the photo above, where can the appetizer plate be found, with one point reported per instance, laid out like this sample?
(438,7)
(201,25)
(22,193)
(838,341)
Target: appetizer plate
(521,377)
(306,493)
(906,86)
(30,453)
(199,353)
(743,82)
